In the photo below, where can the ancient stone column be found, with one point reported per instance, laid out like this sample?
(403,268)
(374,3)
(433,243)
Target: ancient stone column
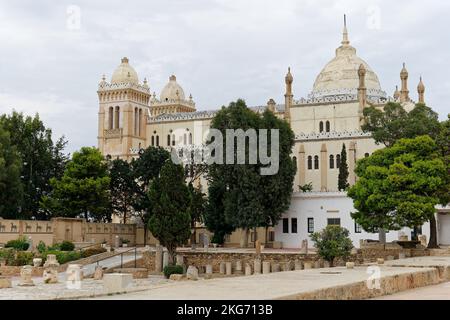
(158,258)
(257,266)
(222,268)
(266,267)
(192,273)
(180,260)
(238,266)
(229,269)
(307,265)
(248,269)
(74,276)
(209,269)
(165,259)
(25,276)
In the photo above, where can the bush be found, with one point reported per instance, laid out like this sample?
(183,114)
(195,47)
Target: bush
(62,256)
(20,244)
(41,247)
(7,255)
(170,269)
(66,246)
(23,258)
(332,242)
(92,251)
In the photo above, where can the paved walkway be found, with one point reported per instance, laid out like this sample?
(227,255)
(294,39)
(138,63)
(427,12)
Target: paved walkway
(437,292)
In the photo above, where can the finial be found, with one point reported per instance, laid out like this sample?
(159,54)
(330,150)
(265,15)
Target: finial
(190,96)
(124,60)
(345,40)
(396,93)
(289,79)
(104,77)
(173,78)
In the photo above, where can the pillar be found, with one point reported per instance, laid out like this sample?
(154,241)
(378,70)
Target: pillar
(301,166)
(351,163)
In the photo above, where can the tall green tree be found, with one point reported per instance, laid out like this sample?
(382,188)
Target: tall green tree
(332,242)
(343,170)
(41,157)
(11,189)
(250,199)
(197,202)
(398,186)
(170,221)
(122,188)
(83,190)
(146,168)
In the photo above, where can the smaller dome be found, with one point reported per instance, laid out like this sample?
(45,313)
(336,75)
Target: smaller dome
(421,86)
(172,91)
(125,73)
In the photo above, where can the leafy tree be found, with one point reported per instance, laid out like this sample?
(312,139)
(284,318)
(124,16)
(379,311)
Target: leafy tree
(215,213)
(83,190)
(41,157)
(250,199)
(197,203)
(398,186)
(332,242)
(122,187)
(10,185)
(394,123)
(145,169)
(170,221)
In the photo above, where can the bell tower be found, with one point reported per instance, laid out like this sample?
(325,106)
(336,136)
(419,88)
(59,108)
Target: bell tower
(123,110)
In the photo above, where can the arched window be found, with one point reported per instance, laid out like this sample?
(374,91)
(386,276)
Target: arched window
(168,140)
(153,141)
(331,161)
(136,121)
(117,118)
(366,155)
(157,141)
(338,161)
(309,163)
(327,126)
(185,139)
(111,118)
(173,139)
(316,162)
(321,126)
(140,122)
(190,138)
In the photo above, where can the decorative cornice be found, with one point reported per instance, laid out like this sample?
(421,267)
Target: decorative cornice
(332,135)
(104,86)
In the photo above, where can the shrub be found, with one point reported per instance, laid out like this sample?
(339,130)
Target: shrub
(20,244)
(171,269)
(23,258)
(62,256)
(92,251)
(66,246)
(41,247)
(7,255)
(332,242)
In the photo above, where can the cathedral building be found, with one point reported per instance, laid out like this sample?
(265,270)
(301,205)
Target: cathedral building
(131,117)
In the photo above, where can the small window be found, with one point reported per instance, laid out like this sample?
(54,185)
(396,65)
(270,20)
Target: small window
(168,140)
(309,163)
(157,141)
(338,161)
(294,225)
(316,162)
(173,140)
(358,228)
(327,126)
(310,225)
(185,139)
(334,221)
(153,141)
(321,126)
(285,225)
(190,138)
(331,161)
(366,155)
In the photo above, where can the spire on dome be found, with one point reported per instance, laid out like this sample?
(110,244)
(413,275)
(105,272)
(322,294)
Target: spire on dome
(345,41)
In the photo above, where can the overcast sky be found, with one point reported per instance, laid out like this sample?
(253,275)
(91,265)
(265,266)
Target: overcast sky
(53,53)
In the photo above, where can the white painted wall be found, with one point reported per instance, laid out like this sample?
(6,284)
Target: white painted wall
(321,206)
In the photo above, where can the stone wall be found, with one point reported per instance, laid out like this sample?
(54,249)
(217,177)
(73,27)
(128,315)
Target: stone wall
(12,271)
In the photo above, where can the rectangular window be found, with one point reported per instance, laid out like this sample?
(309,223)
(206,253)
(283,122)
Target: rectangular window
(358,228)
(310,225)
(294,225)
(285,225)
(334,221)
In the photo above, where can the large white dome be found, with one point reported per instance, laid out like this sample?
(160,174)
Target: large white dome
(340,75)
(172,91)
(125,73)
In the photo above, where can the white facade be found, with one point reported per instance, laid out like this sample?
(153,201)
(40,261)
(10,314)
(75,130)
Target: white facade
(320,207)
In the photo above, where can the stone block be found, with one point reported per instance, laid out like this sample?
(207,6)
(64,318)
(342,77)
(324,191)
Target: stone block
(5,282)
(176,277)
(117,282)
(307,265)
(165,259)
(257,266)
(276,267)
(266,267)
(209,269)
(349,265)
(74,276)
(248,269)
(25,276)
(229,269)
(380,261)
(158,259)
(137,273)
(51,261)
(238,266)
(402,255)
(98,273)
(222,268)
(298,265)
(37,262)
(50,275)
(192,273)
(258,247)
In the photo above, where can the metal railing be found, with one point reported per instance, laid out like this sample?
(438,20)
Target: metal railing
(121,257)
